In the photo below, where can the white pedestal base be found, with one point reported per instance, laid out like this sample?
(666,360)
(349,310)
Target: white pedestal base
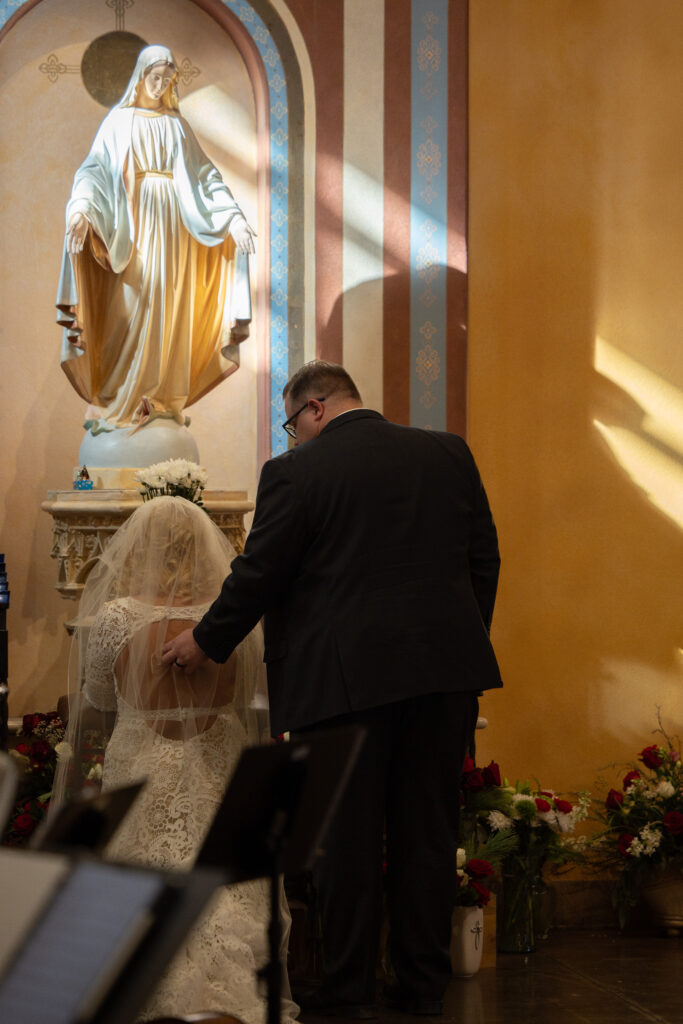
(155,441)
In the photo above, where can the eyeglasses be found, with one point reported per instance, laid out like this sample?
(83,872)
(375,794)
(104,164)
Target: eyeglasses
(288,426)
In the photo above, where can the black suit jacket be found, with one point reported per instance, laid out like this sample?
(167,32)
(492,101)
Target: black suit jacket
(374,558)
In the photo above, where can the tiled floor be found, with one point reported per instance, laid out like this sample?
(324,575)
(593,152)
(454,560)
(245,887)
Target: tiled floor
(575,977)
(601,978)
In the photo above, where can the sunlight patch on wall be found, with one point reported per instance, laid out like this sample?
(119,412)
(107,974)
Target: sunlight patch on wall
(658,475)
(628,685)
(661,401)
(209,110)
(650,456)
(363,226)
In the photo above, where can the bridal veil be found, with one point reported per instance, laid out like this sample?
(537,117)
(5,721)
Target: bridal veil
(157,576)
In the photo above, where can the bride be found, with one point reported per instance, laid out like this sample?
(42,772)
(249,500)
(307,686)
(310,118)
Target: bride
(184,734)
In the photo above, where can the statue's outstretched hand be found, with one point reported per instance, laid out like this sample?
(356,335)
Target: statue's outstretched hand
(76,232)
(244,236)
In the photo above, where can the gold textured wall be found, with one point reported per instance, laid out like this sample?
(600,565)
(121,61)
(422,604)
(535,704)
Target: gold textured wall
(576,372)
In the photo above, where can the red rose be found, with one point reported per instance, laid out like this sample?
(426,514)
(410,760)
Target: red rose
(542,806)
(482,892)
(23,749)
(614,800)
(673,822)
(40,750)
(630,778)
(651,756)
(473,781)
(468,765)
(546,792)
(625,841)
(24,824)
(476,868)
(29,722)
(563,806)
(492,774)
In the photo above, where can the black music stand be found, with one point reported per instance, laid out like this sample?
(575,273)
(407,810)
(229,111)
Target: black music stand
(87,821)
(273,819)
(85,940)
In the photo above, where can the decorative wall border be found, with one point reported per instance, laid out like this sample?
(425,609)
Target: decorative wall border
(429,212)
(279,214)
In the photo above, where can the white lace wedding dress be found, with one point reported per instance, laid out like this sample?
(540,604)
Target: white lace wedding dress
(186,778)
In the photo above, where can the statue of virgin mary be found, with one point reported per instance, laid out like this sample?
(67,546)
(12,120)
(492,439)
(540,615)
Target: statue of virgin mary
(154,291)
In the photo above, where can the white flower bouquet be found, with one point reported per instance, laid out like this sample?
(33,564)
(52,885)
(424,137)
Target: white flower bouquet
(175,477)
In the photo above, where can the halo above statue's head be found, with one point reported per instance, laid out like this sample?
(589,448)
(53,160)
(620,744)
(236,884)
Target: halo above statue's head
(147,58)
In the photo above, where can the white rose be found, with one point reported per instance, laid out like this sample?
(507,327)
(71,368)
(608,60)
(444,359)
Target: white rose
(565,822)
(63,751)
(460,858)
(499,822)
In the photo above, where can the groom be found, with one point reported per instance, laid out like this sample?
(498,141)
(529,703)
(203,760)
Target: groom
(373,557)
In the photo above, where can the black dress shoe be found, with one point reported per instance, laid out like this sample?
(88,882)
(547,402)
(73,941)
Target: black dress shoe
(317,1003)
(397,998)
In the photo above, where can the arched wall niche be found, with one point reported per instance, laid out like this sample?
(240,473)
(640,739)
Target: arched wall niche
(271,59)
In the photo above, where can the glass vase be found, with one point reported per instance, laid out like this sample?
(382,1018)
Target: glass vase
(523,890)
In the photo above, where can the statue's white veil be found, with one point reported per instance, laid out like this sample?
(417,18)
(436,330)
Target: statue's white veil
(156,578)
(155,54)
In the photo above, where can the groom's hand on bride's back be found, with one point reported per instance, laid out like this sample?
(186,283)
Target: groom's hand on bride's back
(184,652)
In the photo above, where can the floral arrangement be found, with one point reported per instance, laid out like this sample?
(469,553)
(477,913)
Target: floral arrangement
(471,890)
(83,772)
(176,477)
(526,826)
(35,757)
(538,818)
(642,823)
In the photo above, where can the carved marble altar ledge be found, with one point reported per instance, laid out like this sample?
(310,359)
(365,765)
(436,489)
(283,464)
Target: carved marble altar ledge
(85,522)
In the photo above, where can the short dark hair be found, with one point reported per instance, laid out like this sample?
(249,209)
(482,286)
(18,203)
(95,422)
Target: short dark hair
(320,378)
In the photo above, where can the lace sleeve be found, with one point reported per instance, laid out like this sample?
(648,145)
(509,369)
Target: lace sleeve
(107,636)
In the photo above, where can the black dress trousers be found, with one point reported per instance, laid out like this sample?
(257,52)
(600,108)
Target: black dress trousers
(407,781)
